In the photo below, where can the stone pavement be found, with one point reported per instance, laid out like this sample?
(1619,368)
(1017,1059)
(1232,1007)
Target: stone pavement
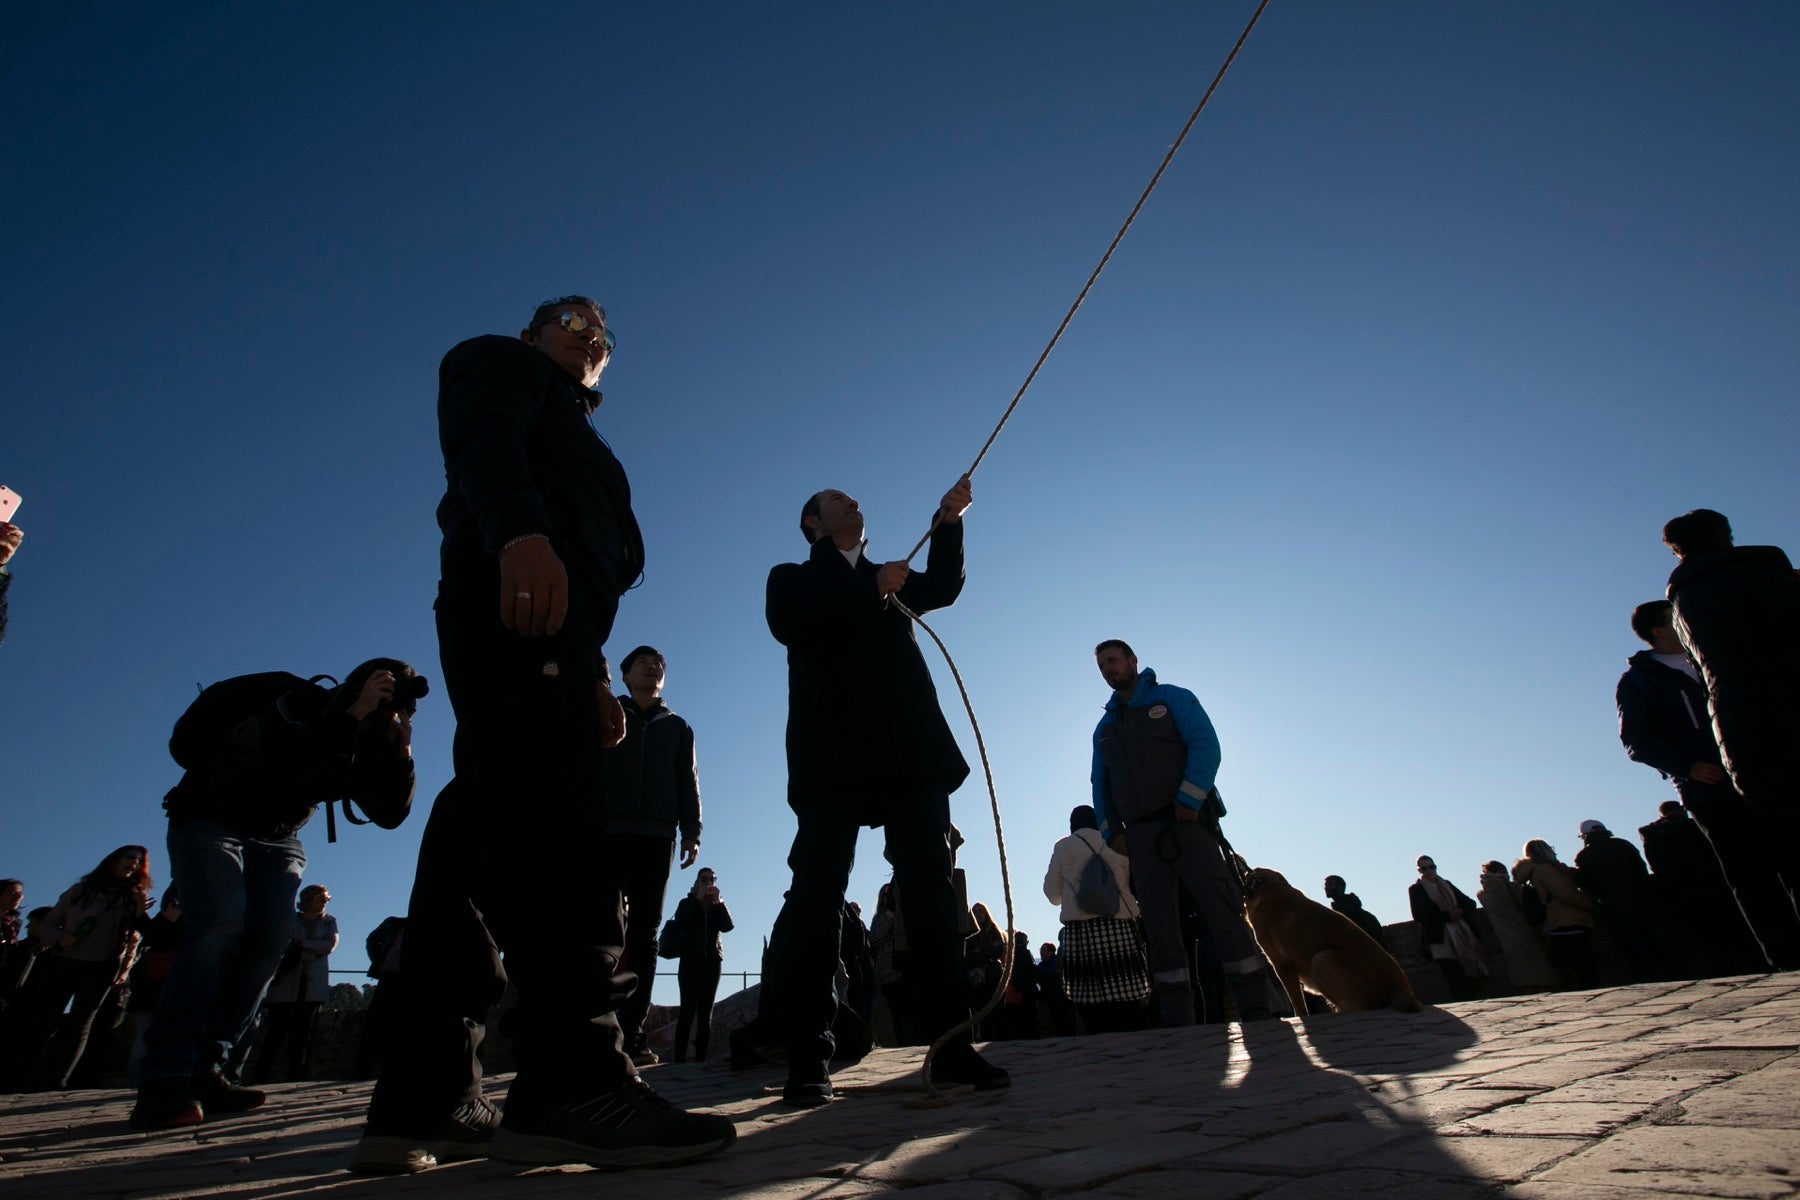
(1689,1089)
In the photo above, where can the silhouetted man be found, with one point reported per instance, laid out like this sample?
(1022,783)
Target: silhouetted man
(1155,759)
(652,793)
(1737,610)
(539,544)
(866,745)
(1664,724)
(1350,904)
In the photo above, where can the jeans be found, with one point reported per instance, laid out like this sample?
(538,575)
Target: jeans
(237,905)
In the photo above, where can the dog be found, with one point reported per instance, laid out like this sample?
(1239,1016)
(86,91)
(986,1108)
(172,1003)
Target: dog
(1313,948)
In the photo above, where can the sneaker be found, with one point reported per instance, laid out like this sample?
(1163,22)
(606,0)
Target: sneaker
(218,1095)
(166,1104)
(808,1085)
(630,1126)
(961,1066)
(465,1135)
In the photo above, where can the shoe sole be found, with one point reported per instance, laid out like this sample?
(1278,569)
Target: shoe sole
(193,1116)
(382,1155)
(543,1150)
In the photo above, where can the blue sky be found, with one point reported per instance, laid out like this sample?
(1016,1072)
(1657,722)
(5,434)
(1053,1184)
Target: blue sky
(1366,435)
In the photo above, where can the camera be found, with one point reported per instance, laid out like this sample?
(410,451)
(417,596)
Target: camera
(408,691)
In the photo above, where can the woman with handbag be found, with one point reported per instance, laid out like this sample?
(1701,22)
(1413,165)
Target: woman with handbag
(700,917)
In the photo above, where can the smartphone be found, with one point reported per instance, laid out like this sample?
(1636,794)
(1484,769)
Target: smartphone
(9,502)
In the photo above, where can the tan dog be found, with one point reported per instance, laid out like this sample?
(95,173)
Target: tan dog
(1323,951)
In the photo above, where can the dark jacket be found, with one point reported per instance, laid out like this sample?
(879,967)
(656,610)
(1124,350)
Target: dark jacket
(1151,753)
(1613,873)
(652,785)
(5,582)
(1352,906)
(864,727)
(1662,717)
(1430,917)
(303,751)
(1682,860)
(1738,614)
(700,926)
(520,456)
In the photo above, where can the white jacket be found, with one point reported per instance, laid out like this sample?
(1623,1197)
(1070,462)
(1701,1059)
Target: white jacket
(1068,861)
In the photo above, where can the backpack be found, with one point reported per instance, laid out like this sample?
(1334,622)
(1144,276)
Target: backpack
(668,942)
(1097,891)
(231,721)
(203,735)
(380,943)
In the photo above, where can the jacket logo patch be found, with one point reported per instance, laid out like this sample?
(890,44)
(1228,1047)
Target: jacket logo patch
(1158,711)
(552,668)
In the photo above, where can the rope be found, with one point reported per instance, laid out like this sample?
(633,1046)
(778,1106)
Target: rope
(1104,259)
(934,1096)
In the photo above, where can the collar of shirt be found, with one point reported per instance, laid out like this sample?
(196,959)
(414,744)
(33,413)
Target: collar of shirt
(853,555)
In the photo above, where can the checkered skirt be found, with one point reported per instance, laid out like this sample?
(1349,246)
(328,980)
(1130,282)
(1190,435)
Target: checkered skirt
(1104,960)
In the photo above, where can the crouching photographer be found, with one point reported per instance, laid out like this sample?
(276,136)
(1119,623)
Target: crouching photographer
(260,753)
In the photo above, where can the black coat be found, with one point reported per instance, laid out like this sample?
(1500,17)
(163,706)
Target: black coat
(864,727)
(1613,873)
(1430,917)
(700,926)
(1663,721)
(520,456)
(1738,614)
(1681,858)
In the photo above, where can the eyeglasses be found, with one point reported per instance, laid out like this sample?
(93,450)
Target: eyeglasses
(576,322)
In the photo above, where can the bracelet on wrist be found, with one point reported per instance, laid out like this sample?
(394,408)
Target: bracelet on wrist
(523,537)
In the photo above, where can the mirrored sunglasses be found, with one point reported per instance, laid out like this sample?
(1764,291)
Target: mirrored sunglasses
(576,322)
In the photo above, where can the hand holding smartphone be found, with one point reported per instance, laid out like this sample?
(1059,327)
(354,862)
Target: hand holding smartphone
(9,502)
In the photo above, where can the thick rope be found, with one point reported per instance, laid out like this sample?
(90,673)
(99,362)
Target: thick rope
(1104,258)
(936,1097)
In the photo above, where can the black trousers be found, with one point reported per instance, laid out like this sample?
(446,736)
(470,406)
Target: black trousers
(52,1041)
(699,979)
(512,863)
(803,948)
(1756,849)
(644,864)
(289,1024)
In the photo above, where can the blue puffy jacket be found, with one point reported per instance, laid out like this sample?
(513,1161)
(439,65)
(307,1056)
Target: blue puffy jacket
(1159,770)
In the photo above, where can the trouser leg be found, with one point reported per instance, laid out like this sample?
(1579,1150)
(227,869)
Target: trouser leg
(511,860)
(803,947)
(643,865)
(918,845)
(1752,848)
(707,987)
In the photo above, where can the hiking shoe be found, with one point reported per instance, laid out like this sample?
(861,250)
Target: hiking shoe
(630,1126)
(961,1066)
(808,1085)
(218,1095)
(166,1104)
(465,1135)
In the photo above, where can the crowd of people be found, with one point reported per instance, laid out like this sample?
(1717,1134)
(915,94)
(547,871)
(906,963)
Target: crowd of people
(601,800)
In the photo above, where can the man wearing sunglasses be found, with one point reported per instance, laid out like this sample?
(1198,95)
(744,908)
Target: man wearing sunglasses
(539,544)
